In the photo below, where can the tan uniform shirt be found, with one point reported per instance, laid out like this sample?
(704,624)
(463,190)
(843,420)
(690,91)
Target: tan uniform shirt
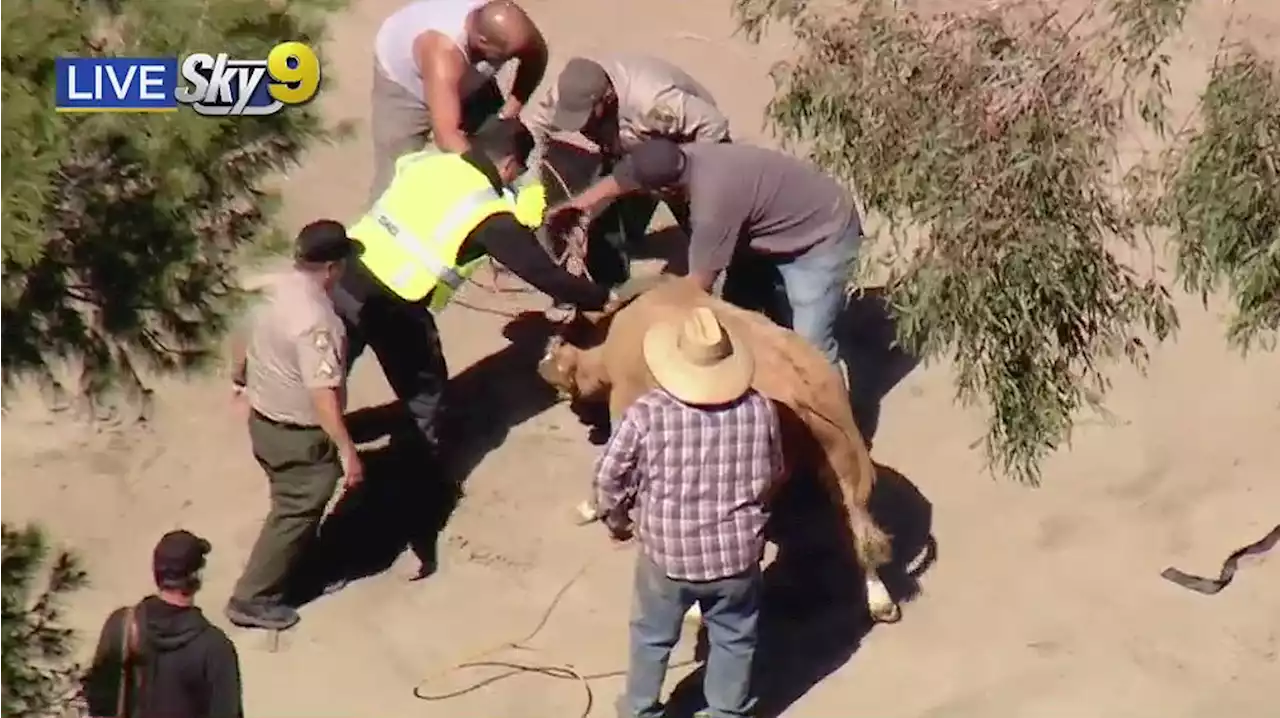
(655,99)
(296,344)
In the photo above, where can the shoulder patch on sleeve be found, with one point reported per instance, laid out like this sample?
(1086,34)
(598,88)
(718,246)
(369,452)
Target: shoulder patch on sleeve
(661,119)
(321,338)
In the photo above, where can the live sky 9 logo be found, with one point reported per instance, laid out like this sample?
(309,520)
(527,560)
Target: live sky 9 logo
(219,86)
(212,85)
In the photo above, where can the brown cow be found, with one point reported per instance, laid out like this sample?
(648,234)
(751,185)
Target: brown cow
(818,426)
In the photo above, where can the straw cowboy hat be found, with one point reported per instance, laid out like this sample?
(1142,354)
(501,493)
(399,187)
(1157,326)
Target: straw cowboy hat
(698,360)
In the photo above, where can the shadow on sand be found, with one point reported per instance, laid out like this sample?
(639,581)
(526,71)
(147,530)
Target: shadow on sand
(866,332)
(813,616)
(407,496)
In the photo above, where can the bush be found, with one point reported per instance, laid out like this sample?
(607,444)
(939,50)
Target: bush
(1222,196)
(122,231)
(39,677)
(987,142)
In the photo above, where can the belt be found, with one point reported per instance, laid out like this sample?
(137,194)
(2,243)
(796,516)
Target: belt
(283,424)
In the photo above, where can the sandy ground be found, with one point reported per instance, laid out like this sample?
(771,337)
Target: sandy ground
(1040,602)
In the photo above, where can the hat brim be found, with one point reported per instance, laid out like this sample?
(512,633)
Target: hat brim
(719,383)
(568,120)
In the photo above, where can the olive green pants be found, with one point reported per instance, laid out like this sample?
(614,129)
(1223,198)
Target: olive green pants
(302,469)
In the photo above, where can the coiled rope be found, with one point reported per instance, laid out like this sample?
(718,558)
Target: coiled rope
(559,671)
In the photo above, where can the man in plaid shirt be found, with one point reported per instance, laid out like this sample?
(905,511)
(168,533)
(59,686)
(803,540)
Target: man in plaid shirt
(695,459)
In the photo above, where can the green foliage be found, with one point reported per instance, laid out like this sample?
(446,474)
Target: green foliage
(38,676)
(987,142)
(121,232)
(1222,196)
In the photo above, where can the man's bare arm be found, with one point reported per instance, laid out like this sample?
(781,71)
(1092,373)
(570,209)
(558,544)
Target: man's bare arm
(533,67)
(443,67)
(598,196)
(320,363)
(239,346)
(328,407)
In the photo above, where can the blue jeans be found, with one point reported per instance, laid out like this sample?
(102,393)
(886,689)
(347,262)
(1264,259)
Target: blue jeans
(730,611)
(812,290)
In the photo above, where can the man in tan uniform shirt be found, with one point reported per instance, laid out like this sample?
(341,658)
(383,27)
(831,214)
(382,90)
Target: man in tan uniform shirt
(292,372)
(617,101)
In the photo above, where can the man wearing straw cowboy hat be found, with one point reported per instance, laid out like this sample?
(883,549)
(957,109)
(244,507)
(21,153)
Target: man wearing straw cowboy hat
(695,458)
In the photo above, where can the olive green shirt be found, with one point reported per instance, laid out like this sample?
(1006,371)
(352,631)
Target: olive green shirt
(655,99)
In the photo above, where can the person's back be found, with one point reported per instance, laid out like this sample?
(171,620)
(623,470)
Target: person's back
(394,43)
(704,472)
(162,658)
(697,458)
(782,203)
(293,307)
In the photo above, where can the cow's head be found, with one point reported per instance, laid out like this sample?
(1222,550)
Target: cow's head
(559,367)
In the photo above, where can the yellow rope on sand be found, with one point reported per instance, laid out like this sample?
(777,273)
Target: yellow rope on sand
(558,671)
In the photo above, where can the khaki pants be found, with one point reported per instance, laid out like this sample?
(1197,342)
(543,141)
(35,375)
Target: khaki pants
(402,123)
(302,469)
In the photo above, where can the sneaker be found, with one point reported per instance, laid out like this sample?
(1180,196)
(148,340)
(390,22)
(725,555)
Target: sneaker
(270,616)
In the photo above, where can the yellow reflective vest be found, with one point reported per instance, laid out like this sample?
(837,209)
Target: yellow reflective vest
(414,233)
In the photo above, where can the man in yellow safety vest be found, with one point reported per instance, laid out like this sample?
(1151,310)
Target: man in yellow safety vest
(441,215)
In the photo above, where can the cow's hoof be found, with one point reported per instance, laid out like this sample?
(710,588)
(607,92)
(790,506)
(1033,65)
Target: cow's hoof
(886,614)
(586,513)
(881,605)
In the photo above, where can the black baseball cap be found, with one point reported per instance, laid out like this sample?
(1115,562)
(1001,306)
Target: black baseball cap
(178,555)
(581,85)
(325,241)
(652,165)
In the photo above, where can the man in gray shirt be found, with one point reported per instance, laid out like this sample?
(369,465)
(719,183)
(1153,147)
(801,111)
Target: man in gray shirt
(618,100)
(762,217)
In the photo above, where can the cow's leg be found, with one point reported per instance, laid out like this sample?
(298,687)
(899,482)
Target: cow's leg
(871,548)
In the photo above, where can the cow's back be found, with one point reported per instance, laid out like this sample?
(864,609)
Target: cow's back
(788,371)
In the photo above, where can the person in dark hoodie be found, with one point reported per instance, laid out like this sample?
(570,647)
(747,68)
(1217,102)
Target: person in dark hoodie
(161,658)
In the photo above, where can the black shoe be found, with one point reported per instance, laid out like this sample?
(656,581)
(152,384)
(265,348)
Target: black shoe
(334,586)
(270,616)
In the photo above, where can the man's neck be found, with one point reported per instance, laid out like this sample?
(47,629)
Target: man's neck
(315,278)
(174,598)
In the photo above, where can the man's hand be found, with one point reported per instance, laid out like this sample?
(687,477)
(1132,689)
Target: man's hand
(511,109)
(352,467)
(619,526)
(564,218)
(239,400)
(615,303)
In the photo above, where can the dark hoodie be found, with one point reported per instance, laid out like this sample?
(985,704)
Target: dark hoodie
(185,667)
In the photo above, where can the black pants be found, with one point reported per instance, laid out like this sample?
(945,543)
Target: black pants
(752,282)
(612,236)
(404,337)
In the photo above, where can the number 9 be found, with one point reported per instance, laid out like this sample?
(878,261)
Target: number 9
(305,72)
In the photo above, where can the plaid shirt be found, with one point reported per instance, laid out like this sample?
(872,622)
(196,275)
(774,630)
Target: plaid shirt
(696,477)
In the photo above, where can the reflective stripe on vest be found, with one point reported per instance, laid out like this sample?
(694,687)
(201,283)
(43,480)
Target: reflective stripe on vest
(418,249)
